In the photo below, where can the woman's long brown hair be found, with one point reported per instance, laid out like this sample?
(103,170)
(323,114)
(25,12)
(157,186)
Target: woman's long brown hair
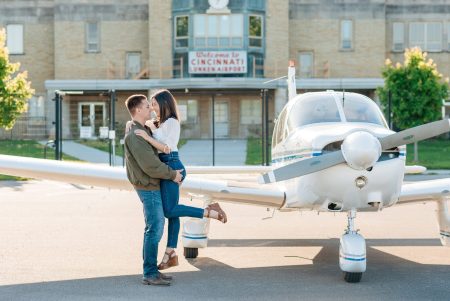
(167,106)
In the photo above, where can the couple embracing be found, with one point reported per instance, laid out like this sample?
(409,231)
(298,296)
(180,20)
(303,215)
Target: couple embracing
(156,172)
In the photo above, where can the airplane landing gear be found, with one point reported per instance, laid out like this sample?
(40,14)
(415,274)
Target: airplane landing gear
(352,252)
(195,234)
(190,253)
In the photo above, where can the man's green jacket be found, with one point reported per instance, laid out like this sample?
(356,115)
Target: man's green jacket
(144,169)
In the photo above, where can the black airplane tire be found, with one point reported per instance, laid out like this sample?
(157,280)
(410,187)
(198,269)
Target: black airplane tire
(352,277)
(190,252)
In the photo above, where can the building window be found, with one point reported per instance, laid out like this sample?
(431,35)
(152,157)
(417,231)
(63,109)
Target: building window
(255,31)
(306,60)
(181,31)
(188,110)
(398,38)
(14,38)
(427,36)
(346,34)
(218,31)
(92,37)
(448,36)
(251,111)
(36,107)
(133,64)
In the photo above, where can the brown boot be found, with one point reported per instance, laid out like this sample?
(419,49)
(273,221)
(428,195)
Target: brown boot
(171,262)
(216,207)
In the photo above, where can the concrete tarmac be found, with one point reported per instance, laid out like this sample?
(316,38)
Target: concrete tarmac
(65,242)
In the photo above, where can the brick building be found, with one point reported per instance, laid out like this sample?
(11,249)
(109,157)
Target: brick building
(208,53)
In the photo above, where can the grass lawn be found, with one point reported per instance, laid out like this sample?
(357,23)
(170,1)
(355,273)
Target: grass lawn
(26,148)
(254,152)
(433,154)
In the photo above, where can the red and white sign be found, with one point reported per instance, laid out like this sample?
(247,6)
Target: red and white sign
(211,62)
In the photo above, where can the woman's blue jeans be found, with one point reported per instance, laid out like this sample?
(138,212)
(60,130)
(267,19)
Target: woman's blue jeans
(170,194)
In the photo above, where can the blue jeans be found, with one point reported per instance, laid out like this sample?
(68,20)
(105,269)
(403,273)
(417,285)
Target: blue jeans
(170,194)
(154,227)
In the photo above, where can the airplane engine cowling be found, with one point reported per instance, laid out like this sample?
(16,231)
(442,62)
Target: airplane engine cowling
(361,150)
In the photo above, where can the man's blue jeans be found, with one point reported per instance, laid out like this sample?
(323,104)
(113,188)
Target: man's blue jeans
(154,227)
(170,192)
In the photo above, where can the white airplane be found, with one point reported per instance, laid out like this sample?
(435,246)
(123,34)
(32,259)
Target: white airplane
(331,151)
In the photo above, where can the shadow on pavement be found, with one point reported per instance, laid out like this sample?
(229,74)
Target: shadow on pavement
(387,276)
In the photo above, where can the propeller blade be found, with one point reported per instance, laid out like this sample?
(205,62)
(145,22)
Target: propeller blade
(303,167)
(415,134)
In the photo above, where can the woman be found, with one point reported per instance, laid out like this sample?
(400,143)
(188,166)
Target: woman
(166,134)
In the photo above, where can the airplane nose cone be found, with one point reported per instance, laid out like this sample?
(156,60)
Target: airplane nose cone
(361,150)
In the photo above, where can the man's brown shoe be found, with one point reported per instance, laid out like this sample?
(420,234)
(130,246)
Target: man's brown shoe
(155,281)
(164,276)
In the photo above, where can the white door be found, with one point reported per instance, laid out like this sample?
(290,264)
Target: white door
(221,123)
(91,118)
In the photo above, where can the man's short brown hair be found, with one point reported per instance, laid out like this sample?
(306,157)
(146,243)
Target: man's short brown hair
(134,101)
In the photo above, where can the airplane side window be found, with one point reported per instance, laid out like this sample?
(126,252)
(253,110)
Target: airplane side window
(281,126)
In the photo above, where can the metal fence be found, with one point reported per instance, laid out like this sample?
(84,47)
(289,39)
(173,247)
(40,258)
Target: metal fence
(26,128)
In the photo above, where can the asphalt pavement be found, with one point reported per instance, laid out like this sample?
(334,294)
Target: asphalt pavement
(66,242)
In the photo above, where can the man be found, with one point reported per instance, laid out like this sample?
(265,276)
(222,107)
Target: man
(144,169)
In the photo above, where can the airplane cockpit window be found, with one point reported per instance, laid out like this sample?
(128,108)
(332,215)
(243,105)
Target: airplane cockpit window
(358,108)
(313,109)
(279,131)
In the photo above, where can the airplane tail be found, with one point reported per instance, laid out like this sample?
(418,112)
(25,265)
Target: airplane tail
(292,88)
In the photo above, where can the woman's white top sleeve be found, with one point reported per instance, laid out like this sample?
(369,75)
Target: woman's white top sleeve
(168,133)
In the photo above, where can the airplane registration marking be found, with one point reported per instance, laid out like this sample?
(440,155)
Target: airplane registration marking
(408,137)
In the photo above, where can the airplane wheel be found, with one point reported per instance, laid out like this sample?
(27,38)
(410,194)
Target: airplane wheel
(190,252)
(352,277)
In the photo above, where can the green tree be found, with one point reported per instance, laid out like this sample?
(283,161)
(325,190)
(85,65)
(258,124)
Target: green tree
(416,87)
(15,90)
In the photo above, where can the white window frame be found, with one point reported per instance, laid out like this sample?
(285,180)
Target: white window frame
(256,37)
(448,36)
(218,36)
(180,37)
(311,72)
(127,66)
(12,30)
(398,36)
(185,102)
(352,32)
(424,44)
(255,114)
(88,40)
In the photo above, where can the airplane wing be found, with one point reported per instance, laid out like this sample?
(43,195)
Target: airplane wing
(258,169)
(425,191)
(115,177)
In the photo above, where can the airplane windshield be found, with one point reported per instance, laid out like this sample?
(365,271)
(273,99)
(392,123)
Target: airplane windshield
(358,108)
(313,109)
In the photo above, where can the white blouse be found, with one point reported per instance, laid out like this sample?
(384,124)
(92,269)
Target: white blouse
(168,133)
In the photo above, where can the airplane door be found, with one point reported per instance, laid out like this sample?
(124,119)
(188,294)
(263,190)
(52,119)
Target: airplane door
(221,119)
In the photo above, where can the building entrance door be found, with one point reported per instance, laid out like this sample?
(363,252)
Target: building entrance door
(221,119)
(91,116)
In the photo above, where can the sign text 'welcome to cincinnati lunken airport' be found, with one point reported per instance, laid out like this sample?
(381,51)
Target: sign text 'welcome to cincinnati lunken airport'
(204,62)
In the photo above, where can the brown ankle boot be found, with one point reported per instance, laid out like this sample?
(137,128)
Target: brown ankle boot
(171,262)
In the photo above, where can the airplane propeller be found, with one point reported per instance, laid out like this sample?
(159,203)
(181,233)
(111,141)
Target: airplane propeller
(359,150)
